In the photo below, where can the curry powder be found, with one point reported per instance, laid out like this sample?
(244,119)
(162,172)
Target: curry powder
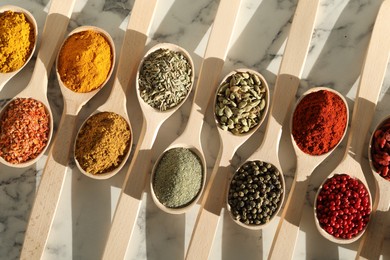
(17,40)
(85,61)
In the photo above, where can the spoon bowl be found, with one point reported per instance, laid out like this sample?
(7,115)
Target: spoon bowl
(342,169)
(5,77)
(184,208)
(371,244)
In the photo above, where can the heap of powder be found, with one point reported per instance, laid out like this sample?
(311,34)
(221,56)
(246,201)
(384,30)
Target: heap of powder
(16,41)
(319,122)
(178,178)
(102,142)
(85,61)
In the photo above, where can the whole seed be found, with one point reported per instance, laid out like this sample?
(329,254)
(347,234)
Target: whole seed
(240,102)
(380,150)
(24,130)
(343,206)
(253,200)
(165,79)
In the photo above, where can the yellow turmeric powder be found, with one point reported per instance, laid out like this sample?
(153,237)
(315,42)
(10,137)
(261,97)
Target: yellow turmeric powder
(85,61)
(17,40)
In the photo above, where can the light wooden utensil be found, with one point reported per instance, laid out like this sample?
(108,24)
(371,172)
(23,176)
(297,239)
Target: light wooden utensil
(37,87)
(372,241)
(130,200)
(212,65)
(377,59)
(55,27)
(214,195)
(5,77)
(53,176)
(287,232)
(131,54)
(232,142)
(371,81)
(287,84)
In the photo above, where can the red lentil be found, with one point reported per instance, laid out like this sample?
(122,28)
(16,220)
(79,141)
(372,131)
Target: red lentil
(343,206)
(24,130)
(380,150)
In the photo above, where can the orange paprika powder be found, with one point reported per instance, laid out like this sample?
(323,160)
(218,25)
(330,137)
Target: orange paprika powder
(319,122)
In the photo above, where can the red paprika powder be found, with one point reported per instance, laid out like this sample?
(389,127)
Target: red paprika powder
(319,122)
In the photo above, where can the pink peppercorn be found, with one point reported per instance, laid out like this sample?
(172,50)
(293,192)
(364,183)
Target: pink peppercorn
(343,212)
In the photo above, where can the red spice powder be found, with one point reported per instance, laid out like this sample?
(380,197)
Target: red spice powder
(24,130)
(319,122)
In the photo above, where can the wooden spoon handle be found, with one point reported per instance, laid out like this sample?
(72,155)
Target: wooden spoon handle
(291,68)
(373,73)
(131,53)
(53,33)
(371,244)
(209,214)
(286,236)
(214,58)
(49,191)
(130,200)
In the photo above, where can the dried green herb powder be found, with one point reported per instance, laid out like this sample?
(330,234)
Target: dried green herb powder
(178,177)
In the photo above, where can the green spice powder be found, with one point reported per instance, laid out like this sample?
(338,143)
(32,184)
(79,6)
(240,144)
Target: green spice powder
(178,178)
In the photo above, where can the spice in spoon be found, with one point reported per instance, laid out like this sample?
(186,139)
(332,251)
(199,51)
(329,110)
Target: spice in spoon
(240,102)
(165,78)
(85,61)
(24,130)
(343,206)
(178,177)
(380,150)
(102,143)
(319,122)
(255,193)
(17,40)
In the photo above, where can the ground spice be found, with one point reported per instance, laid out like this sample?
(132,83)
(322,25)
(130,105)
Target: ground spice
(102,142)
(178,178)
(24,130)
(17,40)
(85,61)
(319,122)
(380,149)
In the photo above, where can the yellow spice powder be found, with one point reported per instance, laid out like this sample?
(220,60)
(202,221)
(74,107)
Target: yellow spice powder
(102,142)
(17,40)
(85,61)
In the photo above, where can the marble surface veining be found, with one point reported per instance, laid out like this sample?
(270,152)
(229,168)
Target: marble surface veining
(86,206)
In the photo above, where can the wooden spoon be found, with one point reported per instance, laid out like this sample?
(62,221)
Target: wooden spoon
(377,59)
(53,177)
(288,229)
(130,200)
(5,77)
(371,244)
(286,86)
(232,142)
(131,54)
(372,76)
(37,87)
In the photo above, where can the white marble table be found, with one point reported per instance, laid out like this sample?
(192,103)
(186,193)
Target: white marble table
(86,206)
